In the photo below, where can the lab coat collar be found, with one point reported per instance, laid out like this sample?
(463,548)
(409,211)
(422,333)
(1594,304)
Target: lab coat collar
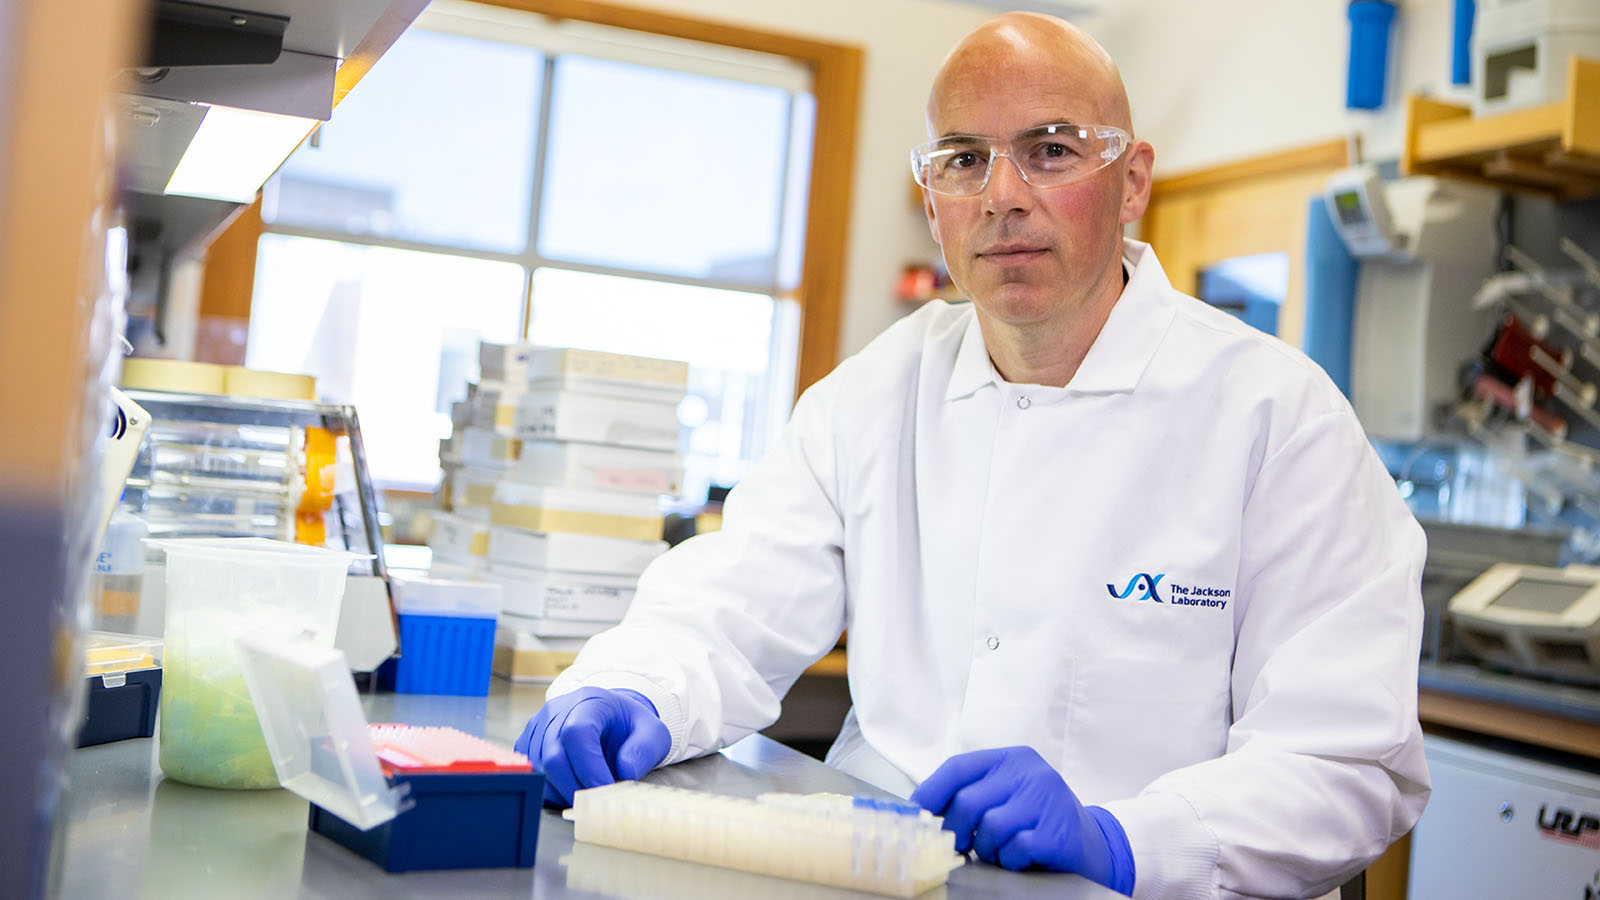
(973,367)
(1120,354)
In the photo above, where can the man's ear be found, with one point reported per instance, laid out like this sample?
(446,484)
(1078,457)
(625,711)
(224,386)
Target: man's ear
(1136,181)
(933,217)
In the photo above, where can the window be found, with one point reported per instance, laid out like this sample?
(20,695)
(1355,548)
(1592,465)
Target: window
(394,332)
(497,176)
(1249,288)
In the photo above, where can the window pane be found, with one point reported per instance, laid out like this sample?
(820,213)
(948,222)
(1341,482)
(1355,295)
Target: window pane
(394,332)
(434,145)
(791,255)
(1250,288)
(664,171)
(740,348)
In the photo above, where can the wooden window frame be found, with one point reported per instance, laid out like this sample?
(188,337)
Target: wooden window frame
(1255,205)
(835,84)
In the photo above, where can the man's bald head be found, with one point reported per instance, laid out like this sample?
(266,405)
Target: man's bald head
(1006,45)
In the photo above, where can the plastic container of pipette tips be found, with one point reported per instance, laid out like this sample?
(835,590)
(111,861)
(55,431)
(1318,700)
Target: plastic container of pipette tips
(124,672)
(446,636)
(406,797)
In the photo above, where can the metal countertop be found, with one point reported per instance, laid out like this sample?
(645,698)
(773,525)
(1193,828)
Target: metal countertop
(131,833)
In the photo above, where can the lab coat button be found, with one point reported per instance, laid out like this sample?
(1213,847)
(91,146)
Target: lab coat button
(994,643)
(1023,403)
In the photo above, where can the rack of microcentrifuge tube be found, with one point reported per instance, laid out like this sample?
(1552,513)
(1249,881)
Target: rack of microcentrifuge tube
(1540,379)
(1547,330)
(859,843)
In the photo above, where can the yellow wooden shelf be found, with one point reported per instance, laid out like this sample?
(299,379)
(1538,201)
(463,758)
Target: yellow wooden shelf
(832,665)
(1552,149)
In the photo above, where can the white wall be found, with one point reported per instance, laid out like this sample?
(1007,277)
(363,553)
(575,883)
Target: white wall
(1213,81)
(903,42)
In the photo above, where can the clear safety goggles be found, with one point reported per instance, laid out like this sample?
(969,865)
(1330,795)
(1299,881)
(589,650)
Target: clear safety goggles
(1047,156)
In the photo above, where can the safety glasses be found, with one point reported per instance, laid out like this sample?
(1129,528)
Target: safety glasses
(1047,156)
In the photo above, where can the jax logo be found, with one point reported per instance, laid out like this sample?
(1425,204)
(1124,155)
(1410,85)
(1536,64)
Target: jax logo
(1143,579)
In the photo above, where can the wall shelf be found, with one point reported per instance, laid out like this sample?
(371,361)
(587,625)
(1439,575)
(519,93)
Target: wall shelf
(1552,149)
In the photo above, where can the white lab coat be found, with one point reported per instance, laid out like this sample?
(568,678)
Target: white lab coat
(992,547)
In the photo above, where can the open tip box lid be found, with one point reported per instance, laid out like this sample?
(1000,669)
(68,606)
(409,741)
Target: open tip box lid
(315,729)
(108,654)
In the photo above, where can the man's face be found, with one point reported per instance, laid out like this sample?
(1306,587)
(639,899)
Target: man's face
(1023,254)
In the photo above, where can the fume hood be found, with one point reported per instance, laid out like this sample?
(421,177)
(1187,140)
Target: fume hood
(222,95)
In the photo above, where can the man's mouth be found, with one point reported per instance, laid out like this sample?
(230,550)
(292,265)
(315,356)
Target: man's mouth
(1011,254)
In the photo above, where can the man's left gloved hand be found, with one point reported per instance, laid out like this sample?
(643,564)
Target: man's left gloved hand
(1015,811)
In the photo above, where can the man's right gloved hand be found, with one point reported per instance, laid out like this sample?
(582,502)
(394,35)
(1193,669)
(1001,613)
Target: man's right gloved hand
(591,737)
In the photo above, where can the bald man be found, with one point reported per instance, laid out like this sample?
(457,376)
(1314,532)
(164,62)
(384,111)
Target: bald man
(1128,593)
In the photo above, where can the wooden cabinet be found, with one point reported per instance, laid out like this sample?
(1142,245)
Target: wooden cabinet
(1551,149)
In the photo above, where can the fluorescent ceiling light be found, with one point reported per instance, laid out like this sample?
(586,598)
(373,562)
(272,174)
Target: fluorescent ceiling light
(234,151)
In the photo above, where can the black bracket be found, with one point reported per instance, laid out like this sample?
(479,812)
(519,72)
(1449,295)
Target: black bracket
(190,34)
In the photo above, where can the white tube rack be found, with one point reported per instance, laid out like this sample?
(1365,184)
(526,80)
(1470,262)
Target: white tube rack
(860,843)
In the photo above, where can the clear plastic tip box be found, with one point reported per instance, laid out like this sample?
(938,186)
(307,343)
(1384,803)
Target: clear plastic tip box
(406,797)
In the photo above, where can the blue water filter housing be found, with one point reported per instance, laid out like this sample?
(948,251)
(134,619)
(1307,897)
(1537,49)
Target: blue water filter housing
(1461,42)
(1370,24)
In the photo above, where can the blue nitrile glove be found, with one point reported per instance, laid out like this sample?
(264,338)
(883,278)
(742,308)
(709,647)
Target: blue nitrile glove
(593,736)
(1016,811)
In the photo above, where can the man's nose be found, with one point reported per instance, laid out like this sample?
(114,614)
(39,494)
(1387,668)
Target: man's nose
(1006,190)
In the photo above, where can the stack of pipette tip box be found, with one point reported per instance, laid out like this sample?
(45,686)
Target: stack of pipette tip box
(560,465)
(860,843)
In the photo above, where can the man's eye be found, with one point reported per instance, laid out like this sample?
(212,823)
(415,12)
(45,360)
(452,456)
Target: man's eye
(1055,151)
(965,159)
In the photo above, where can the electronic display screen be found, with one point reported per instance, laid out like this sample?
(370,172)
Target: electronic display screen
(1541,596)
(1348,203)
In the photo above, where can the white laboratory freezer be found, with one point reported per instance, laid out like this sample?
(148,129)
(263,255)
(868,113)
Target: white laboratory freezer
(1505,827)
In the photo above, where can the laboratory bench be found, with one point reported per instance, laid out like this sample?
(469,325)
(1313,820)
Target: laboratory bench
(1544,714)
(130,832)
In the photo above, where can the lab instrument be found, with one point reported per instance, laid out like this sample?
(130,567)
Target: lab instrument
(1521,47)
(1413,324)
(1534,619)
(217,466)
(1501,824)
(1360,212)
(860,843)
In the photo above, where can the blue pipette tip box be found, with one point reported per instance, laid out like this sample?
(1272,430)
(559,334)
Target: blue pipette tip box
(446,637)
(460,821)
(406,797)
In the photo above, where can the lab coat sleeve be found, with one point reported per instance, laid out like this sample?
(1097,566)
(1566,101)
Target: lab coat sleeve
(1324,765)
(723,624)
